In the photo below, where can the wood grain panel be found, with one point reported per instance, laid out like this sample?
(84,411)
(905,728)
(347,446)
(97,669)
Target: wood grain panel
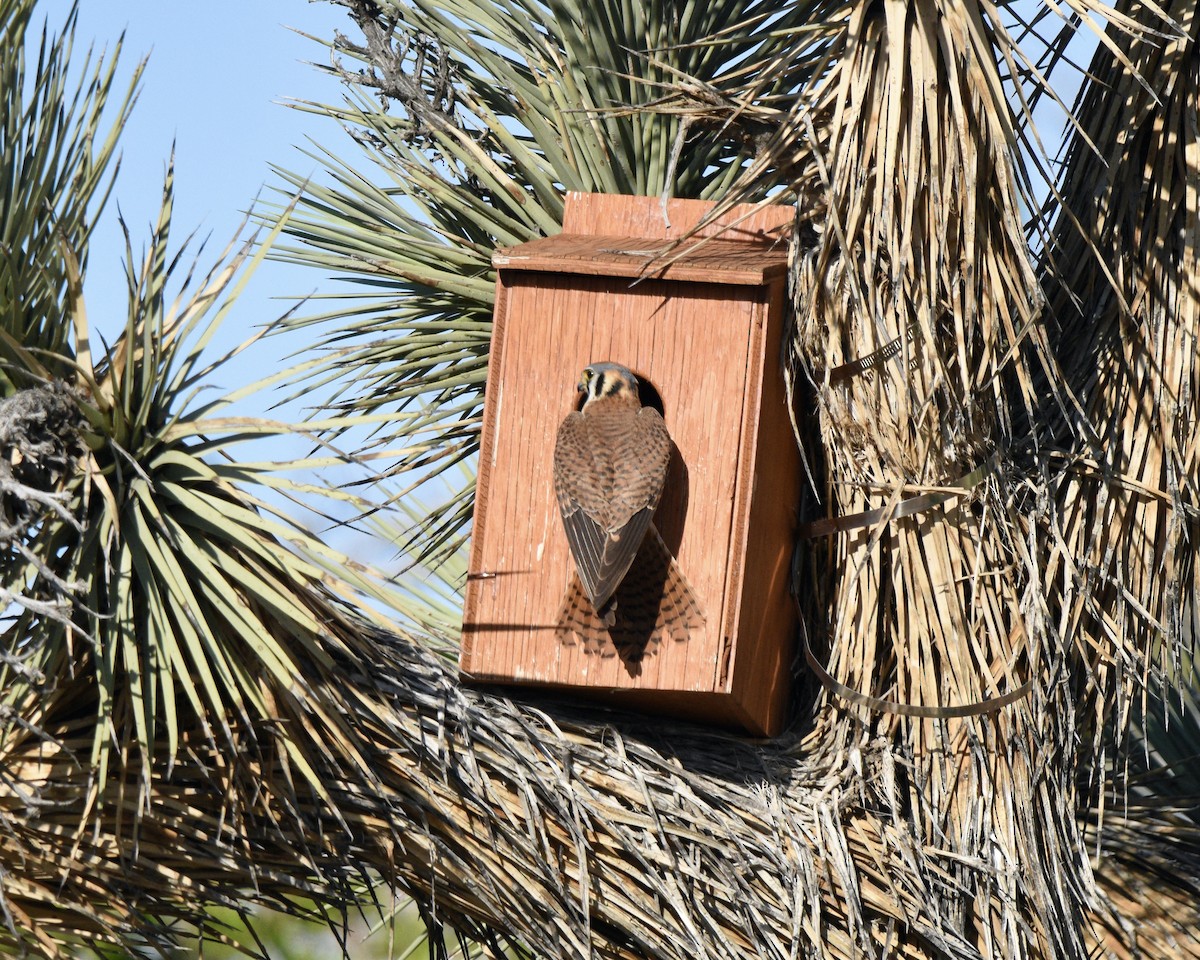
(648,218)
(734,261)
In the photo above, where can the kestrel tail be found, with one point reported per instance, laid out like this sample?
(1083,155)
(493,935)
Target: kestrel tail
(654,602)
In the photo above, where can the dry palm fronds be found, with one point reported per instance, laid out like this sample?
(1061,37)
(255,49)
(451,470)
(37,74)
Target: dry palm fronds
(576,835)
(1126,513)
(922,259)
(911,310)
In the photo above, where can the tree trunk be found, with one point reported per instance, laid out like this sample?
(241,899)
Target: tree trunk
(574,833)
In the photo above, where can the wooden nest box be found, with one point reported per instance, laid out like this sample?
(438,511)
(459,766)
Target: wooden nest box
(701,328)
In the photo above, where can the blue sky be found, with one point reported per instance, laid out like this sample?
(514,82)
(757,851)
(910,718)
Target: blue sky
(215,78)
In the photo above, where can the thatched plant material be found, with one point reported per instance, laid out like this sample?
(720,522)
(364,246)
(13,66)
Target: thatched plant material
(918,333)
(39,438)
(922,256)
(40,448)
(922,267)
(576,835)
(1125,523)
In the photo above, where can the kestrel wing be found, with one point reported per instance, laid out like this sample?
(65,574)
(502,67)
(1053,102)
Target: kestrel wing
(642,450)
(579,491)
(609,471)
(603,570)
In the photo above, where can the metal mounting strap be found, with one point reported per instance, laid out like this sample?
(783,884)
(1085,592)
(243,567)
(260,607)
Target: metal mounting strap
(905,508)
(839,689)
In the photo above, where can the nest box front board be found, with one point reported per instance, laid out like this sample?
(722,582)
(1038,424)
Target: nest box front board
(701,328)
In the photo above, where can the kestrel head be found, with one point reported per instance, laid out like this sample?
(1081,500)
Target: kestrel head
(604,379)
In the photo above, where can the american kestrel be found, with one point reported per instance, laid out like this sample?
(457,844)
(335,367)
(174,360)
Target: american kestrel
(610,465)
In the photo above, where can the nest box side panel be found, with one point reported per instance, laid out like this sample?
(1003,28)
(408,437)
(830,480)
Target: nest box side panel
(473,652)
(764,535)
(691,342)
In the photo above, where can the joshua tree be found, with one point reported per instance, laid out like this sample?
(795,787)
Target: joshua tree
(204,704)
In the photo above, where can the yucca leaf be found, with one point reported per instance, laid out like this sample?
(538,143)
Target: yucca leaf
(57,144)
